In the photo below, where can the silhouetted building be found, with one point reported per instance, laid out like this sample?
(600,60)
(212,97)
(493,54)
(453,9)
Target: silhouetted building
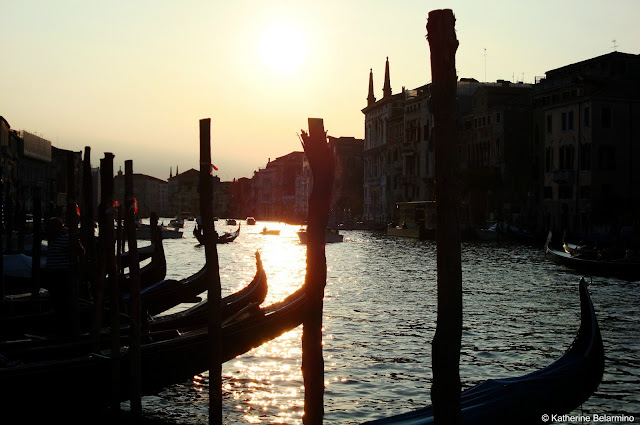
(586,120)
(497,155)
(347,194)
(274,188)
(151,193)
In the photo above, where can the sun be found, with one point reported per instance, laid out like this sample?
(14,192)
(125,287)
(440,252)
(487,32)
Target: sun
(283,48)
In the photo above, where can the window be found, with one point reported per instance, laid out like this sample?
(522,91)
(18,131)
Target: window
(587,117)
(606,117)
(585,156)
(564,121)
(549,121)
(548,160)
(585,192)
(497,116)
(547,192)
(607,158)
(570,120)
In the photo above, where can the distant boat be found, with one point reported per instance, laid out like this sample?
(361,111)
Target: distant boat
(332,236)
(177,223)
(266,231)
(223,238)
(251,221)
(144,232)
(231,222)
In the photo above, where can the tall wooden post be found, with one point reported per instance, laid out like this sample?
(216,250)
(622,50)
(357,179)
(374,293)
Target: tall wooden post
(134,271)
(37,243)
(87,231)
(108,246)
(213,274)
(72,225)
(322,167)
(446,387)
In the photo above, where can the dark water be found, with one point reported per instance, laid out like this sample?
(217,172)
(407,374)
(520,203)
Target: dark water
(520,313)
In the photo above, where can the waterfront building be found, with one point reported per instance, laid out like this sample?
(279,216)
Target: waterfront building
(274,188)
(9,143)
(586,118)
(183,193)
(347,194)
(151,193)
(497,155)
(383,127)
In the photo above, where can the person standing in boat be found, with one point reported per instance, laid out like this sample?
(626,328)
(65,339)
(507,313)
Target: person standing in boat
(58,274)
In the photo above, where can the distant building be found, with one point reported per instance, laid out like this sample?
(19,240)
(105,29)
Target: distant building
(497,155)
(151,194)
(347,194)
(383,127)
(183,193)
(274,188)
(586,120)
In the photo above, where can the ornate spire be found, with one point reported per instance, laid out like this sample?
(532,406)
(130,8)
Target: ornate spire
(170,172)
(386,90)
(371,99)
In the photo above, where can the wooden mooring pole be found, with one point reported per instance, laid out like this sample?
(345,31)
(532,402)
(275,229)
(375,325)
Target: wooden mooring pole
(72,225)
(322,167)
(134,290)
(36,251)
(446,387)
(212,273)
(108,255)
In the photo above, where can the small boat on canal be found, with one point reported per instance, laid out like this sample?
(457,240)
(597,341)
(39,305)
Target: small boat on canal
(222,239)
(266,231)
(556,389)
(625,266)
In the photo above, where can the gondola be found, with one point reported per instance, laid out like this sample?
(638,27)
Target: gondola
(624,267)
(166,294)
(18,267)
(171,357)
(223,238)
(556,389)
(250,297)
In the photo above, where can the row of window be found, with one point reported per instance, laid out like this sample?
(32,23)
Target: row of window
(567,119)
(566,158)
(486,120)
(565,191)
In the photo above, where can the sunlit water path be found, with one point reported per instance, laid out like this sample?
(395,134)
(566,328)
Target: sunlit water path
(520,313)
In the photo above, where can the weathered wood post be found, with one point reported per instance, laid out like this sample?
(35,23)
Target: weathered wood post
(134,290)
(72,225)
(213,274)
(322,165)
(108,254)
(446,387)
(37,243)
(87,231)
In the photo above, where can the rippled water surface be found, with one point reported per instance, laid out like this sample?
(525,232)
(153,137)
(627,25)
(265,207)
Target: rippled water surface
(520,313)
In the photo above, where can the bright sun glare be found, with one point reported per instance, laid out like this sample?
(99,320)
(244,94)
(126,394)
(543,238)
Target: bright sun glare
(282,48)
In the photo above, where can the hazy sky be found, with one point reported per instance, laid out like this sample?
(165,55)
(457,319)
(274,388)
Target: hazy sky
(135,77)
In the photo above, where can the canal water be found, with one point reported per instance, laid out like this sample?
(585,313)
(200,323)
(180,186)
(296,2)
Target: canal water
(521,312)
